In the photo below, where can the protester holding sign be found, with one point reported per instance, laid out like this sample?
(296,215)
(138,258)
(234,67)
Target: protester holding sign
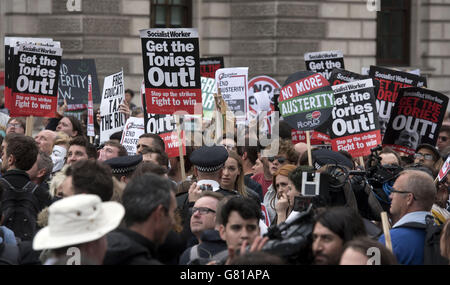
(416,119)
(355,126)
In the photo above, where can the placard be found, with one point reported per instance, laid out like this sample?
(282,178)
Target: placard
(306,100)
(35,78)
(134,128)
(113,95)
(416,119)
(171,70)
(232,83)
(324,61)
(355,127)
(209,66)
(390,83)
(73,83)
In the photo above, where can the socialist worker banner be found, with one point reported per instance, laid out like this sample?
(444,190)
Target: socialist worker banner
(390,83)
(35,81)
(171,70)
(324,61)
(416,119)
(355,127)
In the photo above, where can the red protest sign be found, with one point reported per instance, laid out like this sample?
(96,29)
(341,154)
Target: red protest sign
(171,70)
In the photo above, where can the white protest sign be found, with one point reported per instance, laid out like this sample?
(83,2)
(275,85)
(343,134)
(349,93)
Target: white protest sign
(232,84)
(113,95)
(134,128)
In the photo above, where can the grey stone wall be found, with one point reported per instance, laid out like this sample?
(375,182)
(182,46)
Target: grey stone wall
(106,30)
(271,37)
(268,36)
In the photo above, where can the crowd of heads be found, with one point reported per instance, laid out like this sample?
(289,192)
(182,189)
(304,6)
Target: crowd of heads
(228,189)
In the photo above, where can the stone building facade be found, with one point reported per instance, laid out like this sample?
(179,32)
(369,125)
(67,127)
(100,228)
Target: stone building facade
(268,36)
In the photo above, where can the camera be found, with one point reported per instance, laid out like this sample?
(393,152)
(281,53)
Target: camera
(204,187)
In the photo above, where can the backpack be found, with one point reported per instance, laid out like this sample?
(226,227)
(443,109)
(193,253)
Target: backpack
(20,209)
(431,252)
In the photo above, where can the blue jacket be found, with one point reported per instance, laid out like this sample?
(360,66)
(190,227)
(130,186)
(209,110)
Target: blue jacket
(407,244)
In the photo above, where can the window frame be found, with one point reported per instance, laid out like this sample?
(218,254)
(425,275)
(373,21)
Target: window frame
(186,21)
(406,34)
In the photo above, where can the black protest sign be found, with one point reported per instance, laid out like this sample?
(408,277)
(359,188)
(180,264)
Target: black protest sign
(12,61)
(323,62)
(35,90)
(306,100)
(73,83)
(209,66)
(355,127)
(171,70)
(416,118)
(390,83)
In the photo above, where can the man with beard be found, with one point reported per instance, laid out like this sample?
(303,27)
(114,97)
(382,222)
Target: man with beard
(333,228)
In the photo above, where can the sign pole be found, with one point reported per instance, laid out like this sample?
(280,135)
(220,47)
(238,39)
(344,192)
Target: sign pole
(361,162)
(308,142)
(180,148)
(29,126)
(387,234)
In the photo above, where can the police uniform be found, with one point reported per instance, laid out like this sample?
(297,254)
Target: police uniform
(211,159)
(124,165)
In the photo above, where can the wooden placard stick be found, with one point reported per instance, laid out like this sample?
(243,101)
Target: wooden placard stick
(29,126)
(361,162)
(308,143)
(180,147)
(387,234)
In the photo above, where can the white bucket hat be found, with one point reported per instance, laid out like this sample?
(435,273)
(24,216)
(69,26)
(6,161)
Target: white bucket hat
(78,219)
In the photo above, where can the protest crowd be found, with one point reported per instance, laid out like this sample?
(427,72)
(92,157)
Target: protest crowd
(331,167)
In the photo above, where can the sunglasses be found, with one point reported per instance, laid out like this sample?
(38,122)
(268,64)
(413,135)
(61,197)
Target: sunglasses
(202,210)
(280,159)
(402,192)
(425,156)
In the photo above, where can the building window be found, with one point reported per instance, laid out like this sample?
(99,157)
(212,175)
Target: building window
(171,13)
(393,33)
